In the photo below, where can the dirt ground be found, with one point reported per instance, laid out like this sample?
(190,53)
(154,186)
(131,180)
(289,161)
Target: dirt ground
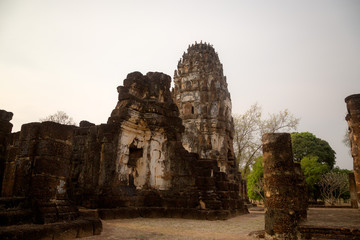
(235,228)
(333,217)
(180,229)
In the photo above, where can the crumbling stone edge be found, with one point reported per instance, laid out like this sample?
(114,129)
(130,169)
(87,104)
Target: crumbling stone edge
(59,230)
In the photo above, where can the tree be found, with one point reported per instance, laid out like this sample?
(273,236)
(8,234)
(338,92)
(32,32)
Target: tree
(346,139)
(333,185)
(306,144)
(346,194)
(246,136)
(313,171)
(59,117)
(255,181)
(249,129)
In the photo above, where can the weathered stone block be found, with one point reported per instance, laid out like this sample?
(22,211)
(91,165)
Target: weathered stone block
(48,147)
(85,230)
(205,182)
(7,189)
(222,185)
(65,231)
(57,131)
(51,165)
(152,212)
(44,187)
(174,212)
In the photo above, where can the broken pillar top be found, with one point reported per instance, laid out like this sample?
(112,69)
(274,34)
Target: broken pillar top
(275,138)
(353,106)
(277,152)
(6,116)
(352,97)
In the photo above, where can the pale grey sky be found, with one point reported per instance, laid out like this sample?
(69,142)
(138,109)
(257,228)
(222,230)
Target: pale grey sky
(71,55)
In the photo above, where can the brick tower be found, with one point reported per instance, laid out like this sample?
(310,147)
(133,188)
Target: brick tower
(203,99)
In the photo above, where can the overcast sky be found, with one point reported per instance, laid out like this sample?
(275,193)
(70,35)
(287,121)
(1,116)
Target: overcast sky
(71,55)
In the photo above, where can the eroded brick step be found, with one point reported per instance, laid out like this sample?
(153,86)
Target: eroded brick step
(12,202)
(11,217)
(157,212)
(64,230)
(322,233)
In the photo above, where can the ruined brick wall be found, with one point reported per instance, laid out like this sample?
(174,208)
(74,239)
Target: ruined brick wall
(8,179)
(353,120)
(93,164)
(202,97)
(5,130)
(38,168)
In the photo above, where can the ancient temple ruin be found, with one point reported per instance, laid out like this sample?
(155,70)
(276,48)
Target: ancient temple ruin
(205,106)
(155,157)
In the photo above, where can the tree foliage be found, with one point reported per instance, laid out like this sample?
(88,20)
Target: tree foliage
(255,181)
(249,129)
(306,144)
(59,117)
(313,171)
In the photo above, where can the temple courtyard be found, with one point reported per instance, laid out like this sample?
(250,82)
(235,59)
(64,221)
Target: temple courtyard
(340,221)
(180,229)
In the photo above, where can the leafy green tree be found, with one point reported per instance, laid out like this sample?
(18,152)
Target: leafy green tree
(255,181)
(306,144)
(313,171)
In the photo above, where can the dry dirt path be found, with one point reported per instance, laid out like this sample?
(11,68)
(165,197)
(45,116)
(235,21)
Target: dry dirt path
(180,229)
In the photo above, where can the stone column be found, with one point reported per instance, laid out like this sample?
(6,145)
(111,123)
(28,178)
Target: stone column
(5,130)
(279,187)
(353,192)
(353,120)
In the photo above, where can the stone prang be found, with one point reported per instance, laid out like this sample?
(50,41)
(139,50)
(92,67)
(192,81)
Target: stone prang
(204,103)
